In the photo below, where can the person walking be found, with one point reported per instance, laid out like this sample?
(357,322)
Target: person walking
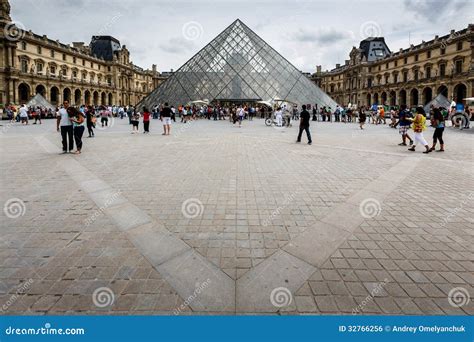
(439,124)
(77,118)
(37,115)
(304,125)
(90,121)
(241,115)
(146,120)
(64,123)
(362,117)
(104,116)
(419,125)
(165,117)
(404,121)
(467,115)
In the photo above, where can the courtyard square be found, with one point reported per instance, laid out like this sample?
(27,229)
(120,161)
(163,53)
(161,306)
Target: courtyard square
(226,220)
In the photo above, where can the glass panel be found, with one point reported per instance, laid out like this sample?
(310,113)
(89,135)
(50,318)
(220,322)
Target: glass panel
(238,64)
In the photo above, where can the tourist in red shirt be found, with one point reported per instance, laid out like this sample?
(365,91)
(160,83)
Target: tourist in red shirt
(146,120)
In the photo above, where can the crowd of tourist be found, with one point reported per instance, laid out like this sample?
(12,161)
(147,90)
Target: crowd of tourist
(71,121)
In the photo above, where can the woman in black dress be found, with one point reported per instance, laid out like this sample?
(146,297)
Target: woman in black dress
(362,117)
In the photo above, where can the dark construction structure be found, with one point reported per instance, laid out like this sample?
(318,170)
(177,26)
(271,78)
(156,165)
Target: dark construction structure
(237,66)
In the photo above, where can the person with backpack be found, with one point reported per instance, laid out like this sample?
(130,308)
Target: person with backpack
(404,120)
(419,125)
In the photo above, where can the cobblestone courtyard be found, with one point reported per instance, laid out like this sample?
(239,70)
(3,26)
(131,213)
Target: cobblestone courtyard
(221,219)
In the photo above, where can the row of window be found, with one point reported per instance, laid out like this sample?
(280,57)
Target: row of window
(52,52)
(74,74)
(442,51)
(458,68)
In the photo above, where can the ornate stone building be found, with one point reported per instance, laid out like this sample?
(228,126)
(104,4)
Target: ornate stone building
(98,73)
(412,76)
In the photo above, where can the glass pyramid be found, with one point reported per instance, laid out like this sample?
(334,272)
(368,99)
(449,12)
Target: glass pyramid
(237,65)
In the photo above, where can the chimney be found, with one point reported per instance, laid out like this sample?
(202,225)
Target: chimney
(318,69)
(78,45)
(347,61)
(153,67)
(338,66)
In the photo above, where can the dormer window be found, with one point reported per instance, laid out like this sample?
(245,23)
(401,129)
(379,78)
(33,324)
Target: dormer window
(378,52)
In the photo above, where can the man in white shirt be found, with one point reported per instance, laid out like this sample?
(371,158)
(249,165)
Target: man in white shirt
(65,124)
(24,114)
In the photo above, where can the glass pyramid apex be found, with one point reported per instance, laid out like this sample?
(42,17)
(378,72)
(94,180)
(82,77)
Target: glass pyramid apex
(237,65)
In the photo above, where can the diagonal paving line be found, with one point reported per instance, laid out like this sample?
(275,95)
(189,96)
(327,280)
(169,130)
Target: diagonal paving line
(315,245)
(181,266)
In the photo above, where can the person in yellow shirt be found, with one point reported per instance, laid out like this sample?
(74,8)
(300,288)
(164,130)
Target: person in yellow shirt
(419,125)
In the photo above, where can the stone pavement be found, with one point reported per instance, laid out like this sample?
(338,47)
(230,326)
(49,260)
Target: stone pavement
(221,219)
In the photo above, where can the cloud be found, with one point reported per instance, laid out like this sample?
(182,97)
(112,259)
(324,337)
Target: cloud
(323,36)
(177,46)
(435,10)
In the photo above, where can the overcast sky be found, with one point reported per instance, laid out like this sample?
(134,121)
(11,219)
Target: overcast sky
(307,33)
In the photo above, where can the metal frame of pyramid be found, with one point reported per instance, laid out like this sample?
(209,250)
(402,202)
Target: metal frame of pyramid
(237,65)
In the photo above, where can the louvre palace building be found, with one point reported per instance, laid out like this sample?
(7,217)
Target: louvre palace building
(100,73)
(374,74)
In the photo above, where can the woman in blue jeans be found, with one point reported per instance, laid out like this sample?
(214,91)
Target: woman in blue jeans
(78,120)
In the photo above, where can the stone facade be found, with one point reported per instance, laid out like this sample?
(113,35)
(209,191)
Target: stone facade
(410,76)
(31,64)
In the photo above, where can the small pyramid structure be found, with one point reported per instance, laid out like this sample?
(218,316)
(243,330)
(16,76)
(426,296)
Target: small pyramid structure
(237,65)
(438,101)
(39,101)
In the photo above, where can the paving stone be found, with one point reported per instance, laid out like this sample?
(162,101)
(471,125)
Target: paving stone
(326,304)
(281,270)
(305,304)
(70,247)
